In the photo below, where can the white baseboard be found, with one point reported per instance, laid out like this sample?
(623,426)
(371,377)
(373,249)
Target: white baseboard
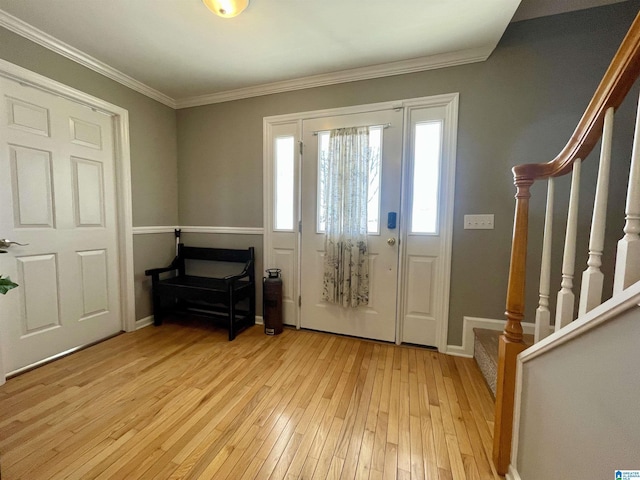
(260,321)
(458,351)
(144,322)
(512,474)
(469,323)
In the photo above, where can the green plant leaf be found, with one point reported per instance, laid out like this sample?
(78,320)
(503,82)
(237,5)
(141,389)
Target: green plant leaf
(6,284)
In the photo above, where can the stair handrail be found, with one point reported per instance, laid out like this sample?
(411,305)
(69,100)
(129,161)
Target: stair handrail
(612,90)
(614,87)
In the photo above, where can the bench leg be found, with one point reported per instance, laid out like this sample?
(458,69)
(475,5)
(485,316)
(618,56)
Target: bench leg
(157,309)
(252,305)
(232,316)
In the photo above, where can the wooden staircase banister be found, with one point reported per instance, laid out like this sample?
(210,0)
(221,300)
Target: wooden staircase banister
(614,87)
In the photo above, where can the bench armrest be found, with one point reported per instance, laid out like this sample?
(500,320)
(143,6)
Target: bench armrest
(233,278)
(242,274)
(158,271)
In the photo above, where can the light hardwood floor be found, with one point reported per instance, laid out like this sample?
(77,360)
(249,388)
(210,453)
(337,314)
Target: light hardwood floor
(180,401)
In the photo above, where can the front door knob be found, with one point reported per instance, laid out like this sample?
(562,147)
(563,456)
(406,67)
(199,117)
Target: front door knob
(391,241)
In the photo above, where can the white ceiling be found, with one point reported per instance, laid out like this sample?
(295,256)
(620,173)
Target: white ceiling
(178,52)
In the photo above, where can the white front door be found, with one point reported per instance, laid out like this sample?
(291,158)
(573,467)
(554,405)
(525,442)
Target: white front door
(428,210)
(378,319)
(58,196)
(409,264)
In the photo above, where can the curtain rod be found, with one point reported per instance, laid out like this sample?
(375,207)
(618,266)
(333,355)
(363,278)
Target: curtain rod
(386,125)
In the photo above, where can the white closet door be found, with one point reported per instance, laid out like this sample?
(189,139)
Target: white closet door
(58,195)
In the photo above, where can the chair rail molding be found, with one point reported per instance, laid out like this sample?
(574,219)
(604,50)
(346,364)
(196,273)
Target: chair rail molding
(147,230)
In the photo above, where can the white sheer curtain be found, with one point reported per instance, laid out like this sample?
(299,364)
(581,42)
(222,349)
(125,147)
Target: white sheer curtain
(345,179)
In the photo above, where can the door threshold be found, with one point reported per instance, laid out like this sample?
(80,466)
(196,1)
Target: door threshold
(417,345)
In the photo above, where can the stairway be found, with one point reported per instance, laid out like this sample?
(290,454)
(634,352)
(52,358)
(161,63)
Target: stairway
(485,352)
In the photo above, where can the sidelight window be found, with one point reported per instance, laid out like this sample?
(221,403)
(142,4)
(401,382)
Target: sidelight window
(284,184)
(426,177)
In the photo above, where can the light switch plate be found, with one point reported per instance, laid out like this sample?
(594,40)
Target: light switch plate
(478,222)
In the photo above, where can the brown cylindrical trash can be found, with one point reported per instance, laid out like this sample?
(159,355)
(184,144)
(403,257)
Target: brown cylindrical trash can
(272,302)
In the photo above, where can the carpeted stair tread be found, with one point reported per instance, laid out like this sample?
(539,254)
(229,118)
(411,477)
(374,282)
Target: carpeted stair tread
(485,353)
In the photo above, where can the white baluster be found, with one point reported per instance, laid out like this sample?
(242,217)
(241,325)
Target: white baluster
(628,257)
(543,315)
(592,277)
(566,298)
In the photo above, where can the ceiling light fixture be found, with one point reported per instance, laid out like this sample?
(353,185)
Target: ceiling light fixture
(226,8)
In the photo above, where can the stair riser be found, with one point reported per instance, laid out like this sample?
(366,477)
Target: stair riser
(487,365)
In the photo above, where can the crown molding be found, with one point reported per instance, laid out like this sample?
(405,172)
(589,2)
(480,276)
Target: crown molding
(352,75)
(421,64)
(30,32)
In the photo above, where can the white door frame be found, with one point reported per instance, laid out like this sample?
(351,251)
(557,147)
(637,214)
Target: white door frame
(288,260)
(450,101)
(120,119)
(447,185)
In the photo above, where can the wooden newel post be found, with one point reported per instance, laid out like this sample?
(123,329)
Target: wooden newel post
(510,342)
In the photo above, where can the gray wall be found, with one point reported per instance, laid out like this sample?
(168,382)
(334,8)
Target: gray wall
(580,412)
(520,106)
(149,251)
(219,240)
(152,129)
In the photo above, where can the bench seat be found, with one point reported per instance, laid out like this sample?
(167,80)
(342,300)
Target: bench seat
(230,298)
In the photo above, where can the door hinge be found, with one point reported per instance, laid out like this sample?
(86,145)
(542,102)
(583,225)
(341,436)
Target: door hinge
(299,300)
(301,145)
(300,226)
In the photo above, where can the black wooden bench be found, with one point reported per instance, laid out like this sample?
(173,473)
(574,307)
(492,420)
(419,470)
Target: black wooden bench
(230,298)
